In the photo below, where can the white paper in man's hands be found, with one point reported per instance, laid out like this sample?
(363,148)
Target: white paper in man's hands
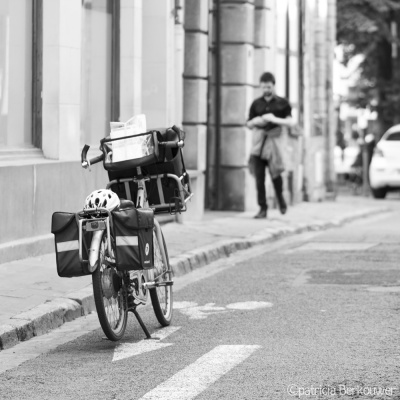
(131,148)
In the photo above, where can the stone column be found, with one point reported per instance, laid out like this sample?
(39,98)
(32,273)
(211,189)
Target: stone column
(195,87)
(314,101)
(294,145)
(179,58)
(196,82)
(158,95)
(61,78)
(130,58)
(332,116)
(236,186)
(264,38)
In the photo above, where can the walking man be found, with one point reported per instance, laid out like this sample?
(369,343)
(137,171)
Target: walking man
(268,114)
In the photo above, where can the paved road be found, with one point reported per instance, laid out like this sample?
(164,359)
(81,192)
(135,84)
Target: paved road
(317,313)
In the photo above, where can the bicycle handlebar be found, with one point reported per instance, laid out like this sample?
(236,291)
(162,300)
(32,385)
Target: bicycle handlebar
(84,161)
(167,144)
(172,144)
(84,153)
(174,133)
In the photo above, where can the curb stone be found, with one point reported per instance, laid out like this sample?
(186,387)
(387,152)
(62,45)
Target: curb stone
(8,336)
(52,314)
(84,298)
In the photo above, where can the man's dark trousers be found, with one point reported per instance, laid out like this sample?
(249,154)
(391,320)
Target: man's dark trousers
(259,171)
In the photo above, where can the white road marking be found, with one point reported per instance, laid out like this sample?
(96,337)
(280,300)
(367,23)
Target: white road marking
(249,305)
(179,305)
(126,350)
(193,311)
(197,377)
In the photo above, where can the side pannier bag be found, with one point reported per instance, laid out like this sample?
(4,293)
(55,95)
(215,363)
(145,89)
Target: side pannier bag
(64,226)
(133,234)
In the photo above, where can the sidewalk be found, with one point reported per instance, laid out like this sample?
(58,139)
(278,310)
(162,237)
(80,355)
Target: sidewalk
(35,300)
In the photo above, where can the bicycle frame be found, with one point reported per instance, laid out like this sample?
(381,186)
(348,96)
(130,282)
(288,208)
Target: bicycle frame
(141,195)
(89,224)
(141,202)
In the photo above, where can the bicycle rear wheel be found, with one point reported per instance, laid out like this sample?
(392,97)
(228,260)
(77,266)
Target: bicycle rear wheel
(109,295)
(161,296)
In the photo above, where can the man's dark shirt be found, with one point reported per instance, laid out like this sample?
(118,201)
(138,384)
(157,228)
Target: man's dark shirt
(278,106)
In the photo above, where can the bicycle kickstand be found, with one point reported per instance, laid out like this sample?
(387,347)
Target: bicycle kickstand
(141,323)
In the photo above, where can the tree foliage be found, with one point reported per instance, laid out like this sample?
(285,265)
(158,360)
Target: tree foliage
(363,27)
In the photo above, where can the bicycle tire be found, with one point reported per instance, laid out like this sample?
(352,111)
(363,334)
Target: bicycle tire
(104,279)
(161,297)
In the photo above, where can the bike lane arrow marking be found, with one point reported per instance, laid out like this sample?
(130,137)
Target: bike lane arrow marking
(194,311)
(126,350)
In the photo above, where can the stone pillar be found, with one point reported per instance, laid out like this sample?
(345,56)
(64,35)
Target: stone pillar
(314,139)
(196,83)
(236,186)
(61,78)
(264,38)
(158,95)
(294,145)
(321,65)
(332,116)
(130,58)
(195,86)
(179,58)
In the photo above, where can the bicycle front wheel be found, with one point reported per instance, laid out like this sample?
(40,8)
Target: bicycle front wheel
(109,295)
(161,296)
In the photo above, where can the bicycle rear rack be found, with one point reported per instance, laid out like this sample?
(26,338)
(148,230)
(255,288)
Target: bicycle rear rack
(92,224)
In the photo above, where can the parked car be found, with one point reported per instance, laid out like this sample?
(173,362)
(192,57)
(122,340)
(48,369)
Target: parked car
(384,171)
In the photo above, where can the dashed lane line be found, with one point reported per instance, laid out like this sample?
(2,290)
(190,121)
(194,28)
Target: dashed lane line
(197,377)
(126,350)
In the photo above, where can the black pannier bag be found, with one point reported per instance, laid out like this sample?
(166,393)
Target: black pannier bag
(163,191)
(64,226)
(133,234)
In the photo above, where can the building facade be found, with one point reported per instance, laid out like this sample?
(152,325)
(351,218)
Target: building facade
(69,67)
(294,39)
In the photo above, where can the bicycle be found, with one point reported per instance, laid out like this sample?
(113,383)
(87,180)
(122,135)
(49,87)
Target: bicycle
(127,255)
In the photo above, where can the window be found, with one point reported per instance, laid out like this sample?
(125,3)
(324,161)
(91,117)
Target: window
(394,136)
(16,73)
(99,68)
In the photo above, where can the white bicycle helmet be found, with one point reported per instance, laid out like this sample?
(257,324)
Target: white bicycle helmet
(104,198)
